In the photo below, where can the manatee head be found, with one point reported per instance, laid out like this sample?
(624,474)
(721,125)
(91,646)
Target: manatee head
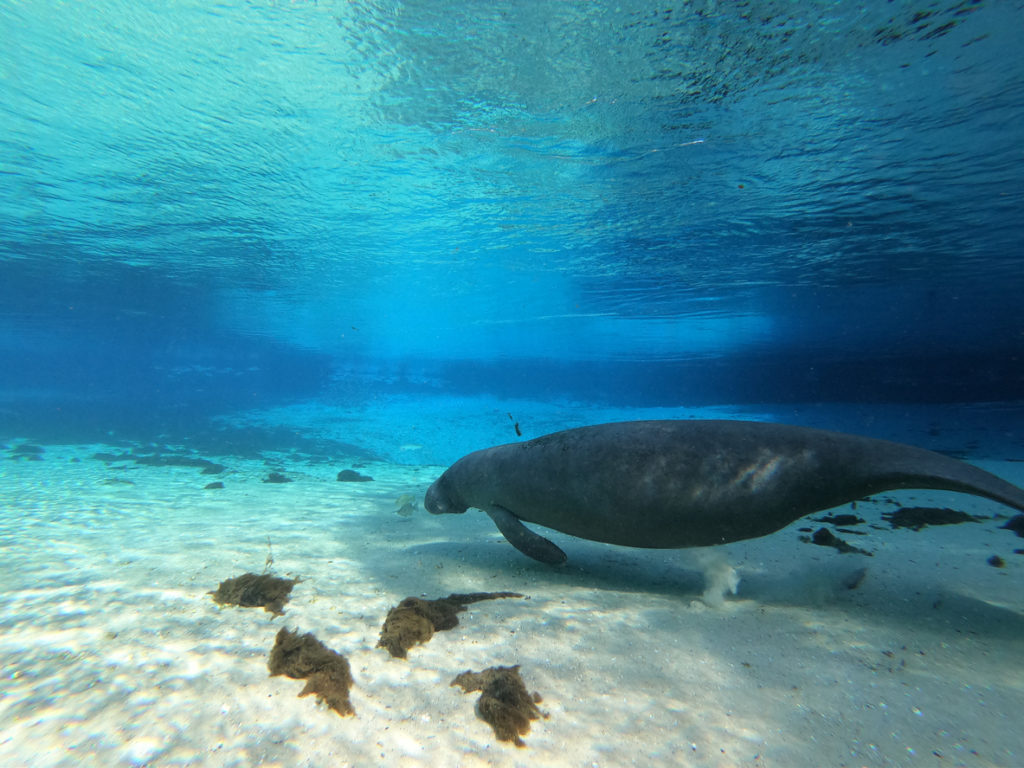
(440,500)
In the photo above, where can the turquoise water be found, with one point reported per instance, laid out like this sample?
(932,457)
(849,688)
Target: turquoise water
(262,201)
(302,237)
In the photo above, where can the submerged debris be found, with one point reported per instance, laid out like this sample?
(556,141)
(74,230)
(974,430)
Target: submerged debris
(854,579)
(504,702)
(838,520)
(161,459)
(326,672)
(205,466)
(415,620)
(918,517)
(27,451)
(825,538)
(252,590)
(1015,524)
(351,476)
(116,481)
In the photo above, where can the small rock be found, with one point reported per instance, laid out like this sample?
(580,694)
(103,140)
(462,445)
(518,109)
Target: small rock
(351,476)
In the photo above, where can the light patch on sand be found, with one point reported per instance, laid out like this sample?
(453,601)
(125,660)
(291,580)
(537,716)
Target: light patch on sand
(720,578)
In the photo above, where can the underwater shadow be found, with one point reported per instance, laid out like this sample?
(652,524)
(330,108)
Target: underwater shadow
(845,585)
(496,563)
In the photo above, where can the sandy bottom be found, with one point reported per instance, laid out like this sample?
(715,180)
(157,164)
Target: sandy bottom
(114,653)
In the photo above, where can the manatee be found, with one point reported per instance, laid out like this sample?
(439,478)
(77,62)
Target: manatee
(671,484)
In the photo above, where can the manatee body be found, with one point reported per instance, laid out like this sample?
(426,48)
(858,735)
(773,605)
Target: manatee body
(667,484)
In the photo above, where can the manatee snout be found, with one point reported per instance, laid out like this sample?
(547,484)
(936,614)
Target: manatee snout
(438,502)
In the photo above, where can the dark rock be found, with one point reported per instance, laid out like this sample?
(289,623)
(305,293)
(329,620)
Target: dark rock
(996,561)
(276,477)
(213,486)
(351,476)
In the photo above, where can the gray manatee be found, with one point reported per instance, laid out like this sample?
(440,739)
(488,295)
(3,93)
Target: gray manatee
(667,484)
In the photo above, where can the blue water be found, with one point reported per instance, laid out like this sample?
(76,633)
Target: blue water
(210,207)
(302,236)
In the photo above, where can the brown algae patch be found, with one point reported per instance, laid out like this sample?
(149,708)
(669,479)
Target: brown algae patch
(252,590)
(415,620)
(917,518)
(326,672)
(504,702)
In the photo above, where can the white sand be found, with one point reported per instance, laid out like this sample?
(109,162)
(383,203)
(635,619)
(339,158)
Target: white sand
(114,654)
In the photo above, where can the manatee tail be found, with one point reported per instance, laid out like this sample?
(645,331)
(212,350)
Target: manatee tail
(905,466)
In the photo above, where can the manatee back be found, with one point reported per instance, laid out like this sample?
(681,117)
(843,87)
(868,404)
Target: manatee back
(692,483)
(698,483)
(664,483)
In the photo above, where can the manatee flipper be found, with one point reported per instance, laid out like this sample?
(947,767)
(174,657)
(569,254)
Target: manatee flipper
(522,538)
